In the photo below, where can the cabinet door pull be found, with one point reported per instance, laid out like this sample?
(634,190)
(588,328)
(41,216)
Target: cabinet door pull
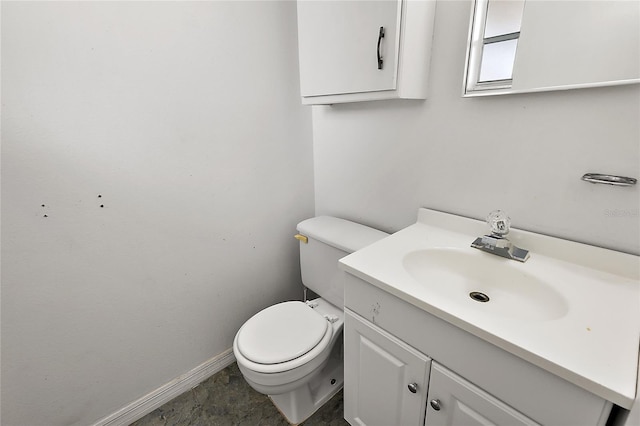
(380,37)
(435,404)
(413,387)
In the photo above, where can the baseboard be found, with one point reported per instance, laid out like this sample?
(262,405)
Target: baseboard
(165,393)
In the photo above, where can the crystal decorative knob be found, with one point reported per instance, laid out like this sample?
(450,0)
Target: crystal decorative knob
(499,222)
(413,387)
(435,404)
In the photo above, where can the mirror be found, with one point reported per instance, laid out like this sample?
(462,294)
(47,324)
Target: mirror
(518,46)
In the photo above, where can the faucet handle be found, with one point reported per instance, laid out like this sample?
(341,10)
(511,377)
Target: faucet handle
(499,222)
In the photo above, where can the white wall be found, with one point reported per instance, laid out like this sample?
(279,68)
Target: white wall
(378,162)
(185,118)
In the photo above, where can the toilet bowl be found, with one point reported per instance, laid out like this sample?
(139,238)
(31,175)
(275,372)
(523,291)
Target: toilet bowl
(285,343)
(292,351)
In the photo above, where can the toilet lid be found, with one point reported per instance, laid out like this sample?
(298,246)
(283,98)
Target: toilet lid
(281,333)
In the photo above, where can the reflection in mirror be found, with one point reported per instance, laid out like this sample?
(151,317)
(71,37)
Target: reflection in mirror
(494,42)
(535,45)
(497,61)
(503,17)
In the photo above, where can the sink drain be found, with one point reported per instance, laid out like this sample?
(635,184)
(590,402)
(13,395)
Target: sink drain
(479,297)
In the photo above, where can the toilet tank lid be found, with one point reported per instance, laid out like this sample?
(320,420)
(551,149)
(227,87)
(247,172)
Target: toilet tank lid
(340,233)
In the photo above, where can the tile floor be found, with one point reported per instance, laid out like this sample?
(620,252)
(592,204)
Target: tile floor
(226,399)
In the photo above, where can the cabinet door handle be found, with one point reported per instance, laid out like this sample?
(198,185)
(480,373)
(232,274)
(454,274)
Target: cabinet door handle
(413,387)
(435,404)
(380,37)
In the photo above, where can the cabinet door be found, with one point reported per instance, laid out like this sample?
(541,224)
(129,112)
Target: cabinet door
(338,44)
(453,401)
(385,380)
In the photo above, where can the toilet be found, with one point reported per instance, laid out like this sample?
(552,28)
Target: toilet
(292,351)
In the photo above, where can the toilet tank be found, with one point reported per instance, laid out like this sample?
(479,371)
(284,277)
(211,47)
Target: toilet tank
(330,239)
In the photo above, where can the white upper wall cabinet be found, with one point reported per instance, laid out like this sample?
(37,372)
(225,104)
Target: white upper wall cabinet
(353,50)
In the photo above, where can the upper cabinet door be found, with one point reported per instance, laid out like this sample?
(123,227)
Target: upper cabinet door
(354,50)
(341,43)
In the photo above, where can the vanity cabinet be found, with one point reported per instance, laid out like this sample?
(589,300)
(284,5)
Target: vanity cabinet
(454,401)
(458,378)
(385,379)
(353,51)
(388,382)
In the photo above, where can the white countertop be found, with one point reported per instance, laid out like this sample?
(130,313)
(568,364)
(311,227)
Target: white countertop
(593,343)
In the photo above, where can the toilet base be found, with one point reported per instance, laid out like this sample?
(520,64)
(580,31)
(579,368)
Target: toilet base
(299,404)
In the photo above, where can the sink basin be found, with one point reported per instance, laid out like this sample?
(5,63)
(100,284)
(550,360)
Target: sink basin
(455,273)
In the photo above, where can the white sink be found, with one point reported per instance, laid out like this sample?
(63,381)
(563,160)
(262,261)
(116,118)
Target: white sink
(571,309)
(506,288)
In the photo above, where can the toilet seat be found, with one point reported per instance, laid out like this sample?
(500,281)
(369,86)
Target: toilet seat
(281,333)
(283,337)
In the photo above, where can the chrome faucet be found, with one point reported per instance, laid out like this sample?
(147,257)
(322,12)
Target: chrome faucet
(497,242)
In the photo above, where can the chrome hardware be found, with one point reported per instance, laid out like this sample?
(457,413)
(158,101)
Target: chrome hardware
(608,179)
(380,37)
(479,296)
(497,242)
(413,387)
(435,404)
